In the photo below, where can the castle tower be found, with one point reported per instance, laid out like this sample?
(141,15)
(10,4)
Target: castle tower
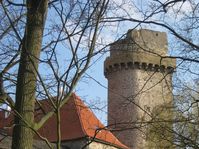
(139,75)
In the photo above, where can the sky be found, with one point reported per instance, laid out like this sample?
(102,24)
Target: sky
(94,92)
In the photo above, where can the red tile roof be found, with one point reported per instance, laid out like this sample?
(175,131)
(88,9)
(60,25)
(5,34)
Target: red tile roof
(77,121)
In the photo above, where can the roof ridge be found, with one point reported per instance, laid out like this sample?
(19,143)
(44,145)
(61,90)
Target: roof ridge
(80,103)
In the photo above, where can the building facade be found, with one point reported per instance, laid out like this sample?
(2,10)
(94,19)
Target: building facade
(80,128)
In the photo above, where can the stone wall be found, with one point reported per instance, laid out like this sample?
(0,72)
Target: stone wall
(139,81)
(80,143)
(6,143)
(98,145)
(75,144)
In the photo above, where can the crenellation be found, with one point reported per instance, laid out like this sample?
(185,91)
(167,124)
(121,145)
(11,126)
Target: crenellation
(117,66)
(130,65)
(139,57)
(150,67)
(144,66)
(162,68)
(157,68)
(138,65)
(123,66)
(170,69)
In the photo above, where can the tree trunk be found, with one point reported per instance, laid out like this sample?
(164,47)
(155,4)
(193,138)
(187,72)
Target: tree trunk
(26,80)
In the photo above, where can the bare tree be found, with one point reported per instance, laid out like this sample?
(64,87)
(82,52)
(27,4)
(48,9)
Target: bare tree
(73,31)
(48,46)
(179,19)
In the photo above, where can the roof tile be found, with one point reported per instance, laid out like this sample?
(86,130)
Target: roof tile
(77,121)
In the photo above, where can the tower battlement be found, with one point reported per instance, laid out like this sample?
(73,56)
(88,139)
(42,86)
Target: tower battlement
(139,60)
(141,49)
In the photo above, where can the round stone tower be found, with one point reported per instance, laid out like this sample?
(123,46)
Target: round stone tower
(139,75)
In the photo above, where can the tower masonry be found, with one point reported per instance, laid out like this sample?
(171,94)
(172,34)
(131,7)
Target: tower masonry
(139,74)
